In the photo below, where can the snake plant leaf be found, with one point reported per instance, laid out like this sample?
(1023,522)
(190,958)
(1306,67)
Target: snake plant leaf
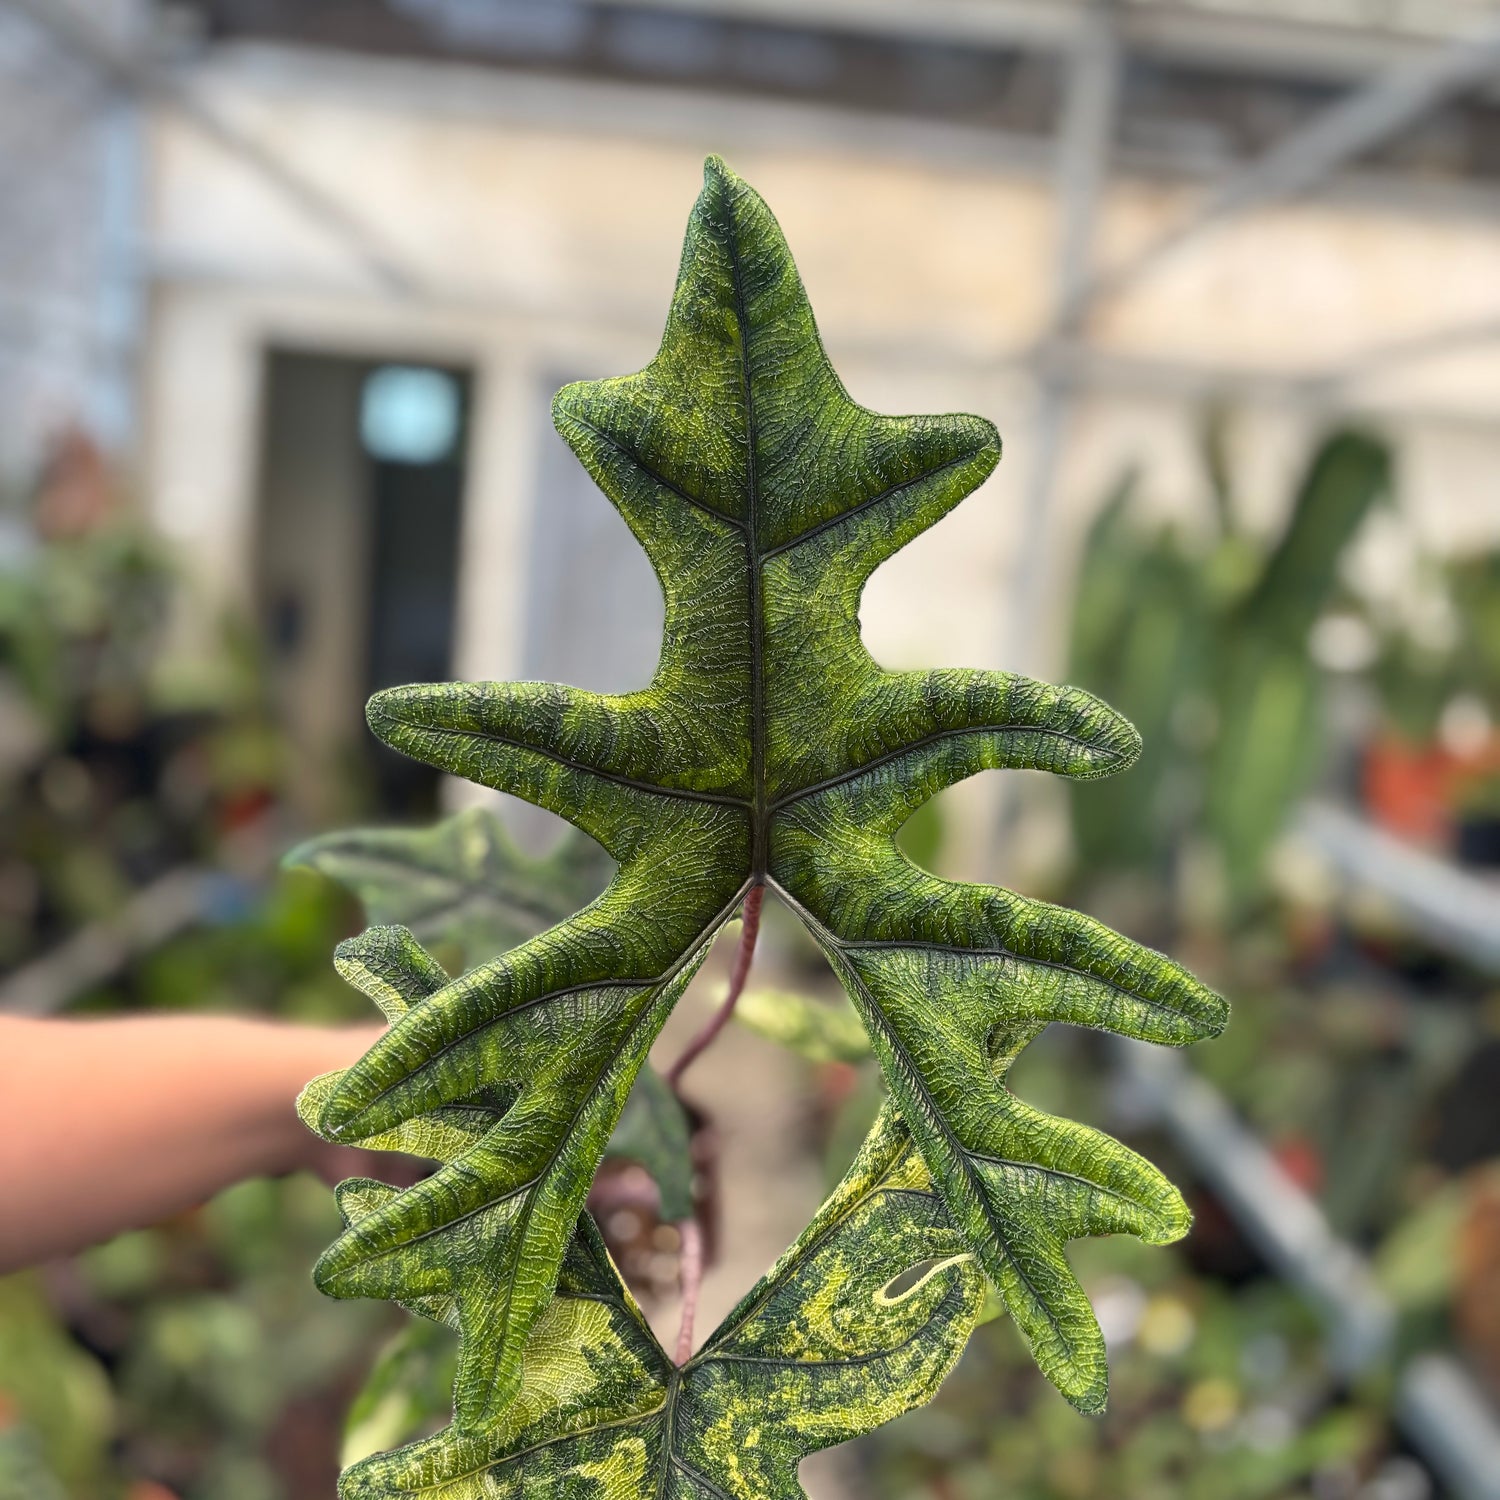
(769,749)
(1270,689)
(1207,649)
(461,884)
(857,1323)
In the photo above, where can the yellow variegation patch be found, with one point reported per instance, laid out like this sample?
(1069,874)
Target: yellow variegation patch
(774,1383)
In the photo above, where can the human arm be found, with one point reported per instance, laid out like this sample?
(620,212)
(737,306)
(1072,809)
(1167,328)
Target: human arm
(117,1123)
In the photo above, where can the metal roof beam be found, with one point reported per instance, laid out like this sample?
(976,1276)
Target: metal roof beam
(1237,41)
(1334,137)
(134,76)
(1086,133)
(1049,24)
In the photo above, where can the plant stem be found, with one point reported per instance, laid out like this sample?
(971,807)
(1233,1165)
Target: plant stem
(741,971)
(692,1284)
(690,1230)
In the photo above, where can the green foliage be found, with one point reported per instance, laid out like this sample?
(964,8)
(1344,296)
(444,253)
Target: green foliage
(411,1379)
(769,749)
(80,618)
(1417,678)
(52,1392)
(1206,648)
(858,1322)
(1215,1397)
(819,1032)
(461,886)
(464,888)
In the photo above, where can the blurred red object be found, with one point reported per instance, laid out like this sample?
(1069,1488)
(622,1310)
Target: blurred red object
(1415,791)
(1299,1157)
(76,491)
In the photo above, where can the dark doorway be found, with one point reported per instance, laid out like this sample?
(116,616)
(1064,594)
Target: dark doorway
(362,479)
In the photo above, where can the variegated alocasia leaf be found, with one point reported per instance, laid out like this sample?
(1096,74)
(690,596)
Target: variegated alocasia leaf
(464,885)
(857,1323)
(389,966)
(461,884)
(769,750)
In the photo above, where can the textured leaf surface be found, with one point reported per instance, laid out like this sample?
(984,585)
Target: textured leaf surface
(492,1158)
(769,748)
(464,886)
(858,1322)
(461,884)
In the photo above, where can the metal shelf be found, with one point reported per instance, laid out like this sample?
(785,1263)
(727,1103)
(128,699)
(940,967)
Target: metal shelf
(1453,909)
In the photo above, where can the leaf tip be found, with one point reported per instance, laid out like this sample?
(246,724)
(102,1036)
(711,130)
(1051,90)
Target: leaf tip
(1211,1014)
(1093,1402)
(720,185)
(1120,742)
(1173,1220)
(332,1269)
(1218,1018)
(382,711)
(335,1121)
(328,1270)
(1131,744)
(309,1104)
(303,856)
(1083,1382)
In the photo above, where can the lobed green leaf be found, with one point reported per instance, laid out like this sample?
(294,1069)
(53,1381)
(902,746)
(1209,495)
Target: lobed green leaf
(857,1323)
(769,749)
(462,883)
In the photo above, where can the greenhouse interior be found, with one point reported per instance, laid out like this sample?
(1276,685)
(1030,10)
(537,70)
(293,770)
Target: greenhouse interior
(287,292)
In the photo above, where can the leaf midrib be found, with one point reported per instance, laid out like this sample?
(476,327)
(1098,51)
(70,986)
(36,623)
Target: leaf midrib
(651,987)
(635,783)
(760,839)
(761,821)
(827,939)
(858,945)
(887,757)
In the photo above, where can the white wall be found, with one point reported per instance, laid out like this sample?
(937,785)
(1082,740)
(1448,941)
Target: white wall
(69,206)
(541,222)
